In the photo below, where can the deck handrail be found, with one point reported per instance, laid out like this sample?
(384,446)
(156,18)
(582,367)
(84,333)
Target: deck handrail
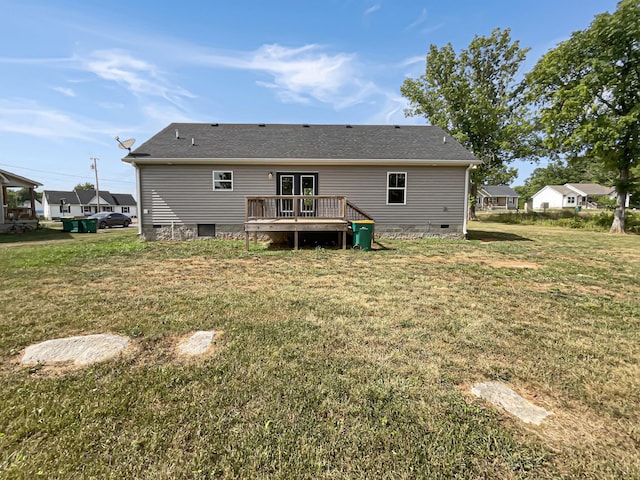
(294,207)
(356,213)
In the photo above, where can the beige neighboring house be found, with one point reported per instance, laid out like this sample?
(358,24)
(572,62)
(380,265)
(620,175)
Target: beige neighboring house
(571,195)
(19,215)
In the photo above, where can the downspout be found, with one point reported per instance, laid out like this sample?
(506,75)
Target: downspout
(139,207)
(466,199)
(2,190)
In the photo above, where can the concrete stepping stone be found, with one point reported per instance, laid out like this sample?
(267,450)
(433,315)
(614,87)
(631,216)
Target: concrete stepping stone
(196,344)
(81,350)
(503,396)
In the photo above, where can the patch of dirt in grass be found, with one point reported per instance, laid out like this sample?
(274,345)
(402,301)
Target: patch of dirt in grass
(575,289)
(511,264)
(574,432)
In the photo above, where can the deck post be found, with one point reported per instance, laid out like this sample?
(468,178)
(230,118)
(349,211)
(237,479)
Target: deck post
(344,240)
(295,239)
(255,238)
(246,240)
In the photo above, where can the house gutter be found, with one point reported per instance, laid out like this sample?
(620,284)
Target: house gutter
(133,160)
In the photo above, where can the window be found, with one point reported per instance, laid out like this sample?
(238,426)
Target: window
(108,208)
(125,209)
(86,209)
(571,200)
(396,188)
(222,180)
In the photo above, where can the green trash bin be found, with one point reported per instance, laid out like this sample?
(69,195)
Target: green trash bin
(67,224)
(362,234)
(70,224)
(578,208)
(88,225)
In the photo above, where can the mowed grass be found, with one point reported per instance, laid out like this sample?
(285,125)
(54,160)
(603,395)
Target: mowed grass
(330,364)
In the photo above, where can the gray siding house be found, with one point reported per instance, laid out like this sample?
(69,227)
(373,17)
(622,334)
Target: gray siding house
(228,179)
(497,197)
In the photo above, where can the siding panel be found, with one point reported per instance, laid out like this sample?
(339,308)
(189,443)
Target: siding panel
(184,193)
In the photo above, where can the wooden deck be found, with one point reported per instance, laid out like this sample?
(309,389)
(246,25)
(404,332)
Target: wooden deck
(299,213)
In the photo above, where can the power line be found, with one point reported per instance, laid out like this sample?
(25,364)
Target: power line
(84,177)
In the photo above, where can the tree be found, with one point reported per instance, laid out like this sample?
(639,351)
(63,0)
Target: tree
(588,93)
(475,98)
(84,186)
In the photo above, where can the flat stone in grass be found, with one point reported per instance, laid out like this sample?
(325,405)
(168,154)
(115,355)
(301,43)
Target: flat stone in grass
(196,344)
(513,403)
(79,350)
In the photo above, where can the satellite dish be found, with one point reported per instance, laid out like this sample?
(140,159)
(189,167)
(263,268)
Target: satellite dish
(126,144)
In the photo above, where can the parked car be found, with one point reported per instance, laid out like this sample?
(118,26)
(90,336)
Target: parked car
(111,219)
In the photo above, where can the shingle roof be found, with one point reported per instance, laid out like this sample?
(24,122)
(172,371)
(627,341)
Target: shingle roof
(54,196)
(499,191)
(83,197)
(18,180)
(560,188)
(591,188)
(123,199)
(274,141)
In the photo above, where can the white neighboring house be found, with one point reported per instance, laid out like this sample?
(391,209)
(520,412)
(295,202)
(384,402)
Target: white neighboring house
(57,204)
(571,195)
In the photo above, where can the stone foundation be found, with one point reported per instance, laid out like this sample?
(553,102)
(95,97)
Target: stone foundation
(236,232)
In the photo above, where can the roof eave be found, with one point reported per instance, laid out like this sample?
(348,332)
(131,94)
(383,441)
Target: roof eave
(301,161)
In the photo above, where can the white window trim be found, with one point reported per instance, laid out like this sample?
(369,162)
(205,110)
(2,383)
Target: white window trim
(406,177)
(213,176)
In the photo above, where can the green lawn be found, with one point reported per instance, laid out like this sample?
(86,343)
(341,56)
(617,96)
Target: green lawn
(331,364)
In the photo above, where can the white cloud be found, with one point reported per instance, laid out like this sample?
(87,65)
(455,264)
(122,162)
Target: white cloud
(163,114)
(298,74)
(28,118)
(65,91)
(391,111)
(412,61)
(421,19)
(139,77)
(373,8)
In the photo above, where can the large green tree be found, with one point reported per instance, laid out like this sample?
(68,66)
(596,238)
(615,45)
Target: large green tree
(474,96)
(85,186)
(588,93)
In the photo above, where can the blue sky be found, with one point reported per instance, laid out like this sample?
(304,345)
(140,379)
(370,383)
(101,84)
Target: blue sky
(76,73)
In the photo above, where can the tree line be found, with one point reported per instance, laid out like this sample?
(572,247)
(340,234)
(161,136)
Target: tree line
(579,106)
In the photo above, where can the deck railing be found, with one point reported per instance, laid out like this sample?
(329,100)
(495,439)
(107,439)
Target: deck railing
(355,213)
(12,213)
(294,207)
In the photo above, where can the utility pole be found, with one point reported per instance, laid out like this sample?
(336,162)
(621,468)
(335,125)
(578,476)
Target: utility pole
(95,168)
